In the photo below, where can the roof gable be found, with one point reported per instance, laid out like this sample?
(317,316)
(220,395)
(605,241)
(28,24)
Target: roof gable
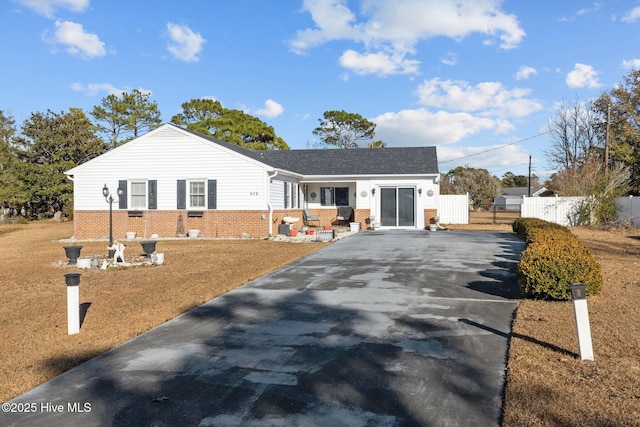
(327,162)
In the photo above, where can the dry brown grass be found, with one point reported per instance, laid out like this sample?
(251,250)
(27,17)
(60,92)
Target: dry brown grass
(123,302)
(547,384)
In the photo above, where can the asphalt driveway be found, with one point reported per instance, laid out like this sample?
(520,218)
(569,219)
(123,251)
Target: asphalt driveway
(403,328)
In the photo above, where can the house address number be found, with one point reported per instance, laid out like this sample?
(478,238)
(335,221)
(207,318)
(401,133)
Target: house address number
(253,193)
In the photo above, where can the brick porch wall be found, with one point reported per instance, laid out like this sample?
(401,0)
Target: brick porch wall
(428,214)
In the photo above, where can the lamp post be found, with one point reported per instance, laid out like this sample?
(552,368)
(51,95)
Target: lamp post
(108,197)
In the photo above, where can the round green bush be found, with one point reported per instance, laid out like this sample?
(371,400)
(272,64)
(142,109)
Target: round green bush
(548,266)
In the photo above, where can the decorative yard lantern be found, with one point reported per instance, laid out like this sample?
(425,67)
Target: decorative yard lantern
(73,302)
(108,197)
(579,296)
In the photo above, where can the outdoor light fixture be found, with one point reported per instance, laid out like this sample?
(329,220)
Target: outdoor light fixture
(420,190)
(73,302)
(373,191)
(108,197)
(579,296)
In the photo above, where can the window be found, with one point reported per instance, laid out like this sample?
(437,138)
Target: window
(334,196)
(138,194)
(197,194)
(201,194)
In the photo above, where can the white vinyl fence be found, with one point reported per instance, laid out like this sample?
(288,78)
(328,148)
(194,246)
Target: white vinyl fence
(453,208)
(561,210)
(629,210)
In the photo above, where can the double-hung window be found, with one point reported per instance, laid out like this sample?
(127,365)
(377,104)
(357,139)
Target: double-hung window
(138,194)
(197,194)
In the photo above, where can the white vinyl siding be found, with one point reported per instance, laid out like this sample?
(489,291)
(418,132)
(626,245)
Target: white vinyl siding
(241,181)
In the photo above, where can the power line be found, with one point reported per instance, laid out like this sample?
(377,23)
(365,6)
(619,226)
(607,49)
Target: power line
(496,148)
(508,167)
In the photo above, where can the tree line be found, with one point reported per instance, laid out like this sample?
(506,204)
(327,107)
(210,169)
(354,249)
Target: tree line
(33,158)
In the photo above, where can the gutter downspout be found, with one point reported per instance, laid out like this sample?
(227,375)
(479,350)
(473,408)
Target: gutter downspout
(269,207)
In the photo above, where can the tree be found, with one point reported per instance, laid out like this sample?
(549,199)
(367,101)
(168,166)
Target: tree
(509,179)
(346,130)
(127,116)
(12,194)
(479,183)
(619,111)
(49,145)
(574,137)
(209,117)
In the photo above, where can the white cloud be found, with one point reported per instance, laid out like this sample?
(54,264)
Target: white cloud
(450,58)
(583,76)
(487,157)
(525,72)
(185,45)
(394,28)
(93,89)
(631,64)
(271,109)
(587,10)
(333,19)
(485,98)
(48,7)
(377,63)
(78,42)
(632,15)
(422,127)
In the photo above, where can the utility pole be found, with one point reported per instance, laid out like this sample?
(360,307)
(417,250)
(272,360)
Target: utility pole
(529,175)
(606,142)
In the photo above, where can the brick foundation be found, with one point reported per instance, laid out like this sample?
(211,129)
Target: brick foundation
(222,224)
(213,223)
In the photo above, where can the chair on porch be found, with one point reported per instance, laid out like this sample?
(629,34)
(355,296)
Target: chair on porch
(345,213)
(307,217)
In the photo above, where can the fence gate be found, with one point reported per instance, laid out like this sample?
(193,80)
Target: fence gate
(453,208)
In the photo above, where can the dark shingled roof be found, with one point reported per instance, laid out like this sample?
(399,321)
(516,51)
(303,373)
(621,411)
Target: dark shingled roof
(356,161)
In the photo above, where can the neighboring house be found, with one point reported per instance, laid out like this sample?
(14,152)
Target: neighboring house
(173,180)
(510,198)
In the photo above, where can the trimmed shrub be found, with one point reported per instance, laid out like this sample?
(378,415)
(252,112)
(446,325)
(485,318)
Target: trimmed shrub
(554,258)
(523,227)
(548,266)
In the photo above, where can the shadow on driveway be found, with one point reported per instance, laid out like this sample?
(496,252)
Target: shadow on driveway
(377,329)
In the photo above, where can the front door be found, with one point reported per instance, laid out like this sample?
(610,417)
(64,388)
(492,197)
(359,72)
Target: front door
(397,207)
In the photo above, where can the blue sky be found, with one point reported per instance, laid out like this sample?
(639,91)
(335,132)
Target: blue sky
(478,78)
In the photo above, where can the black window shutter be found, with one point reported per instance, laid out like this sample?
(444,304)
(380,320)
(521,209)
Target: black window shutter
(153,193)
(122,188)
(212,194)
(182,194)
(286,194)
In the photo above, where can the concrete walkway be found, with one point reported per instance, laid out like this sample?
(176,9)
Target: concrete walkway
(403,328)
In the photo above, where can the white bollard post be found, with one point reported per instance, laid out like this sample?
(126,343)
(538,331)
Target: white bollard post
(579,296)
(73,302)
